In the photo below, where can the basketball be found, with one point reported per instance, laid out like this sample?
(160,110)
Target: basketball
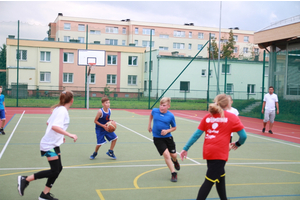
(111,126)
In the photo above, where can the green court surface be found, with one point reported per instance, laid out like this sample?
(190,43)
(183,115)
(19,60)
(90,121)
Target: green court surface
(262,168)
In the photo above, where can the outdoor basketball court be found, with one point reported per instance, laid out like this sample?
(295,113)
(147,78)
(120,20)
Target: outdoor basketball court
(265,167)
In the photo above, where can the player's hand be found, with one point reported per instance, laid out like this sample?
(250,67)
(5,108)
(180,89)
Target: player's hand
(105,127)
(233,146)
(74,137)
(277,112)
(149,129)
(183,154)
(164,132)
(64,139)
(262,111)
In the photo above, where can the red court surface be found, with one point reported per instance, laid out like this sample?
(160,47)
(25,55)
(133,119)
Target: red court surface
(282,131)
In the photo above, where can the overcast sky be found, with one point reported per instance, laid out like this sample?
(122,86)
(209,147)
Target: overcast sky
(35,16)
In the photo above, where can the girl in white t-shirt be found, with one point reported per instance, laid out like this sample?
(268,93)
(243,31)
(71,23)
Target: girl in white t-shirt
(232,110)
(57,125)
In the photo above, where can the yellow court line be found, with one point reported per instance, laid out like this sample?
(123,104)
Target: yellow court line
(136,178)
(99,191)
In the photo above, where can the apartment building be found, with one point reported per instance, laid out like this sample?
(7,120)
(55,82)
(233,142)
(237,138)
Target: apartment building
(186,39)
(52,66)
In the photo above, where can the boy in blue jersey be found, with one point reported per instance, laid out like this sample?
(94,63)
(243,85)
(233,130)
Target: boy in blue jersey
(163,124)
(2,112)
(101,119)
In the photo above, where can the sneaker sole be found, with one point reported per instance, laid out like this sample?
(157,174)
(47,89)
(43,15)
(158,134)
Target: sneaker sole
(19,185)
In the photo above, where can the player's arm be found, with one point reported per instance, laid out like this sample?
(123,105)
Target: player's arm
(99,114)
(149,124)
(63,132)
(277,106)
(166,131)
(242,138)
(263,106)
(196,135)
(5,109)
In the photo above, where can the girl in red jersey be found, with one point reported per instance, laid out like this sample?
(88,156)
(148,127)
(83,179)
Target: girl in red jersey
(217,126)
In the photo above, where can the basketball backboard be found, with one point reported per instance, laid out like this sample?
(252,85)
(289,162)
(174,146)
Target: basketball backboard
(91,56)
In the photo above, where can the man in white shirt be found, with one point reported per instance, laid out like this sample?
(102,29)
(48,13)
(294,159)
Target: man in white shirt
(270,100)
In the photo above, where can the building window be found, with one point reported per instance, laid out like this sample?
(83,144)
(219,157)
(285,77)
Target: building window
(203,72)
(68,57)
(163,48)
(266,70)
(179,33)
(124,30)
(228,69)
(136,30)
(250,89)
(45,56)
(145,85)
(93,79)
(235,50)
(45,77)
(200,35)
(178,45)
(164,36)
(132,60)
(190,46)
(22,54)
(235,38)
(229,88)
(111,59)
(147,43)
(96,32)
(245,50)
(256,51)
(66,38)
(190,34)
(67,77)
(246,38)
(110,29)
(136,42)
(111,41)
(200,46)
(132,79)
(146,31)
(81,39)
(123,42)
(146,67)
(184,86)
(67,26)
(212,35)
(81,27)
(111,79)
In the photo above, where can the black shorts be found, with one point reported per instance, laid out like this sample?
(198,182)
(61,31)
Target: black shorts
(215,170)
(164,143)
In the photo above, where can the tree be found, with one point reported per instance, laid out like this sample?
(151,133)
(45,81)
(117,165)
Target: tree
(228,47)
(214,49)
(3,65)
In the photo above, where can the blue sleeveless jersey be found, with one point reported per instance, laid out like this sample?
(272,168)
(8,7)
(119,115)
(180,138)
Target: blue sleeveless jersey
(103,119)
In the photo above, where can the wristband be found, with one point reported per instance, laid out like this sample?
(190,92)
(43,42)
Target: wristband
(237,144)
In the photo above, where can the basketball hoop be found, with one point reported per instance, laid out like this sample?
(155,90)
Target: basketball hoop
(91,66)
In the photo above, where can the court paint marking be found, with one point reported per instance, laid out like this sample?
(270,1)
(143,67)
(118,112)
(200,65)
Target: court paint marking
(152,141)
(4,148)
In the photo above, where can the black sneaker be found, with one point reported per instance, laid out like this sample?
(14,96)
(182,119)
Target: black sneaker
(174,177)
(2,131)
(270,132)
(22,184)
(47,196)
(263,130)
(176,164)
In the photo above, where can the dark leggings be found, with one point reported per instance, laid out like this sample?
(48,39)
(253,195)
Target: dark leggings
(206,187)
(52,173)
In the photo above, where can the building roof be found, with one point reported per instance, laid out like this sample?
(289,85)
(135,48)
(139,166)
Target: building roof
(284,22)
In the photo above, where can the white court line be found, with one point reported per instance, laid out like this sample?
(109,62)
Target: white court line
(11,135)
(152,141)
(154,165)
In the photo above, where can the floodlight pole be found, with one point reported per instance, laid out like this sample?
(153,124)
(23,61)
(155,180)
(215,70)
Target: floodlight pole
(18,60)
(263,82)
(208,76)
(218,89)
(150,68)
(86,78)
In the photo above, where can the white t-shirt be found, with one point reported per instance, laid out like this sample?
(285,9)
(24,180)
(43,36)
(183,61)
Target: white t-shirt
(270,101)
(51,139)
(234,111)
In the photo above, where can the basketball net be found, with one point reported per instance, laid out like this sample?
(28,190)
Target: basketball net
(91,66)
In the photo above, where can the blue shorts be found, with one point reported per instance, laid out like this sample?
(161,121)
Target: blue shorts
(101,134)
(51,153)
(2,114)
